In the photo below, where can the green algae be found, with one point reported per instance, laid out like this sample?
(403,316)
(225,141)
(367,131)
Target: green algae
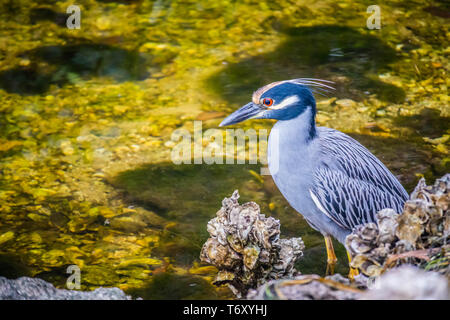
(85,118)
(187,196)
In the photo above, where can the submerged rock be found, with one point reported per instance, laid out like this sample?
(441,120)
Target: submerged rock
(246,247)
(26,288)
(419,235)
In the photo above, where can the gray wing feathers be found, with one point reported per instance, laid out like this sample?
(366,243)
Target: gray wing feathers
(351,184)
(350,202)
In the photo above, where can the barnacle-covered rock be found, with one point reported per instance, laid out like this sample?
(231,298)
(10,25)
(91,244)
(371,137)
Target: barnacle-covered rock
(410,223)
(408,283)
(290,250)
(246,247)
(387,224)
(307,287)
(405,282)
(418,235)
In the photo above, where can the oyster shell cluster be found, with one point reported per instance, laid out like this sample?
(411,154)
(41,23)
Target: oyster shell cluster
(246,247)
(406,282)
(307,287)
(419,235)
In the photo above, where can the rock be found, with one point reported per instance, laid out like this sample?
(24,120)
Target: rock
(128,224)
(252,260)
(409,283)
(135,220)
(58,219)
(26,288)
(307,287)
(37,217)
(246,247)
(345,103)
(387,224)
(9,235)
(405,282)
(66,148)
(417,235)
(210,115)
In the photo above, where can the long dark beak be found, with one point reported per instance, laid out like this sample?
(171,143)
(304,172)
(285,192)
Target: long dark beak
(248,111)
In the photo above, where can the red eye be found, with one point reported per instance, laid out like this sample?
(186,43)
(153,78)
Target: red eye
(267,102)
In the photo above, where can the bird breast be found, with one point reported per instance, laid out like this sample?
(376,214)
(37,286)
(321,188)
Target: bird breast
(292,160)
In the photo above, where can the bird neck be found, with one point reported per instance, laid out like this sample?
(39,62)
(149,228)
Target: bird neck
(301,127)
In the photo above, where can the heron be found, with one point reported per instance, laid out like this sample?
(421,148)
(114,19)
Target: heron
(332,180)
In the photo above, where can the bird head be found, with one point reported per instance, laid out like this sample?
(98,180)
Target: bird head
(281,100)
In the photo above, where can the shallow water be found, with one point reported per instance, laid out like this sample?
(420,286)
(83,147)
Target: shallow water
(86,118)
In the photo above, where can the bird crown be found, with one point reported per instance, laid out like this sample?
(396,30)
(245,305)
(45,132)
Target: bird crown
(319,86)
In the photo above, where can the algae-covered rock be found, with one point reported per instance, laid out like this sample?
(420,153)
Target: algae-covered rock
(246,247)
(6,236)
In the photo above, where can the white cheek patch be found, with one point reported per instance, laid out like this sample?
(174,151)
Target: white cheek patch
(286,102)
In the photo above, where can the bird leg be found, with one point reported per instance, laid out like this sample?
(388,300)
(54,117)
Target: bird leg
(331,256)
(353,272)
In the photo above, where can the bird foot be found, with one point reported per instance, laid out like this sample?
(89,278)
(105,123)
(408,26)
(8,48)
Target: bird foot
(352,274)
(331,263)
(353,271)
(331,256)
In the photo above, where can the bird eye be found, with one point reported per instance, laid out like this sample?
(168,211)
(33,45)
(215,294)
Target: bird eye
(267,102)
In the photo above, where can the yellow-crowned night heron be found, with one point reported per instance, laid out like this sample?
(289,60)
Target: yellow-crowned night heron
(327,176)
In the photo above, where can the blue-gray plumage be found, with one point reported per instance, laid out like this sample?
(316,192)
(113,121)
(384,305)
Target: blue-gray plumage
(327,176)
